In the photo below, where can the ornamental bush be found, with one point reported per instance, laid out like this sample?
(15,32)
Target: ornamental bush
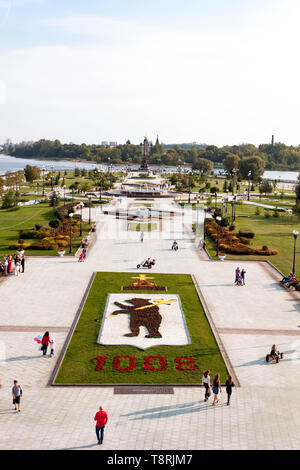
(246,233)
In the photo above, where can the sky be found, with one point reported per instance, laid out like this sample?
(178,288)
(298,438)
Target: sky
(215,72)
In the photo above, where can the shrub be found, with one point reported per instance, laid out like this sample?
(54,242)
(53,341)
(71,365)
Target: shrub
(28,234)
(257,211)
(246,233)
(267,214)
(276,213)
(38,227)
(245,240)
(231,228)
(224,222)
(54,223)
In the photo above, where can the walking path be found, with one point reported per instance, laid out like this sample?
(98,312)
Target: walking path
(264,413)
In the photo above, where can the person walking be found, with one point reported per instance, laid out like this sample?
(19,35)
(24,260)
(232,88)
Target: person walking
(45,343)
(216,389)
(23,264)
(52,347)
(237,274)
(243,272)
(17,393)
(142,237)
(206,384)
(229,384)
(101,420)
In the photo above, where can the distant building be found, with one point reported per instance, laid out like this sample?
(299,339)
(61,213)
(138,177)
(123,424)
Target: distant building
(105,143)
(113,144)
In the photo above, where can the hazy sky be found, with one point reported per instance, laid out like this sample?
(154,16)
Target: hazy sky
(218,71)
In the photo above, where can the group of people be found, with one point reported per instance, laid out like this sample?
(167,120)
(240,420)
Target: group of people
(289,281)
(216,387)
(82,256)
(46,341)
(147,263)
(240,277)
(12,265)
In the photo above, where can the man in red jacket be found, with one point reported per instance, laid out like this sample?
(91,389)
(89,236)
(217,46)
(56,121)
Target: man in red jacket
(101,420)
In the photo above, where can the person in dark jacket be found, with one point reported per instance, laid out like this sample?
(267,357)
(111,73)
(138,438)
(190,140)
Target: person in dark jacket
(229,384)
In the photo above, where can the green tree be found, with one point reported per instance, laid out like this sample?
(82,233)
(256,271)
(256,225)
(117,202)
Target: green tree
(266,187)
(231,162)
(10,199)
(204,166)
(254,164)
(32,173)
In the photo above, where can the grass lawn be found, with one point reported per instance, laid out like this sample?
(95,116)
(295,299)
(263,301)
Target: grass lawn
(25,218)
(77,367)
(276,233)
(145,204)
(142,227)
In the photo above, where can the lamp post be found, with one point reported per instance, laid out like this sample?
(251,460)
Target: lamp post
(100,184)
(249,176)
(52,178)
(218,219)
(89,198)
(295,233)
(43,173)
(232,212)
(71,217)
(216,196)
(54,203)
(190,175)
(64,186)
(233,172)
(204,234)
(81,206)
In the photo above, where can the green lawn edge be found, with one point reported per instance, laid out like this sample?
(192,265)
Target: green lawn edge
(77,368)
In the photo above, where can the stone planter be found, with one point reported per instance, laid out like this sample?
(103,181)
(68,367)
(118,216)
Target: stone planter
(222,257)
(61,252)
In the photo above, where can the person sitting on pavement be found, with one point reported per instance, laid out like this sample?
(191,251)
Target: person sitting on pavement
(292,282)
(286,279)
(175,245)
(274,352)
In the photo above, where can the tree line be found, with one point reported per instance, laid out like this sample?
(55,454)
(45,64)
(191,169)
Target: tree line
(278,156)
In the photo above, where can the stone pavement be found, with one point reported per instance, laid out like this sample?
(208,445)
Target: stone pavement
(264,413)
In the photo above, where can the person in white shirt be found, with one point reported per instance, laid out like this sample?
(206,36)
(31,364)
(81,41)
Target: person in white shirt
(206,384)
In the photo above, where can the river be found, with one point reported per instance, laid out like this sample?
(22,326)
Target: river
(8,163)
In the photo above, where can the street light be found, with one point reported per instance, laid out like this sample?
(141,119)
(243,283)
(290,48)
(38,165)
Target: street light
(233,172)
(89,198)
(71,217)
(81,206)
(295,233)
(64,187)
(190,175)
(54,203)
(218,219)
(43,172)
(52,178)
(249,176)
(100,183)
(204,235)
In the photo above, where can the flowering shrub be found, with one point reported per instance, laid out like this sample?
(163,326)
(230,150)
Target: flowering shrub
(230,243)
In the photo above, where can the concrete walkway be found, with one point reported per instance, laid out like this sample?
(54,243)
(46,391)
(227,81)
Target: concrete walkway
(264,413)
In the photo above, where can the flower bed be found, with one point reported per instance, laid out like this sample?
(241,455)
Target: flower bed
(231,243)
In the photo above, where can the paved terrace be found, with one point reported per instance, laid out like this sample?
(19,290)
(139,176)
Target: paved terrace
(264,413)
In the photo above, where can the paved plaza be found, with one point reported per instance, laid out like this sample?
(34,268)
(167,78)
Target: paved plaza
(265,410)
